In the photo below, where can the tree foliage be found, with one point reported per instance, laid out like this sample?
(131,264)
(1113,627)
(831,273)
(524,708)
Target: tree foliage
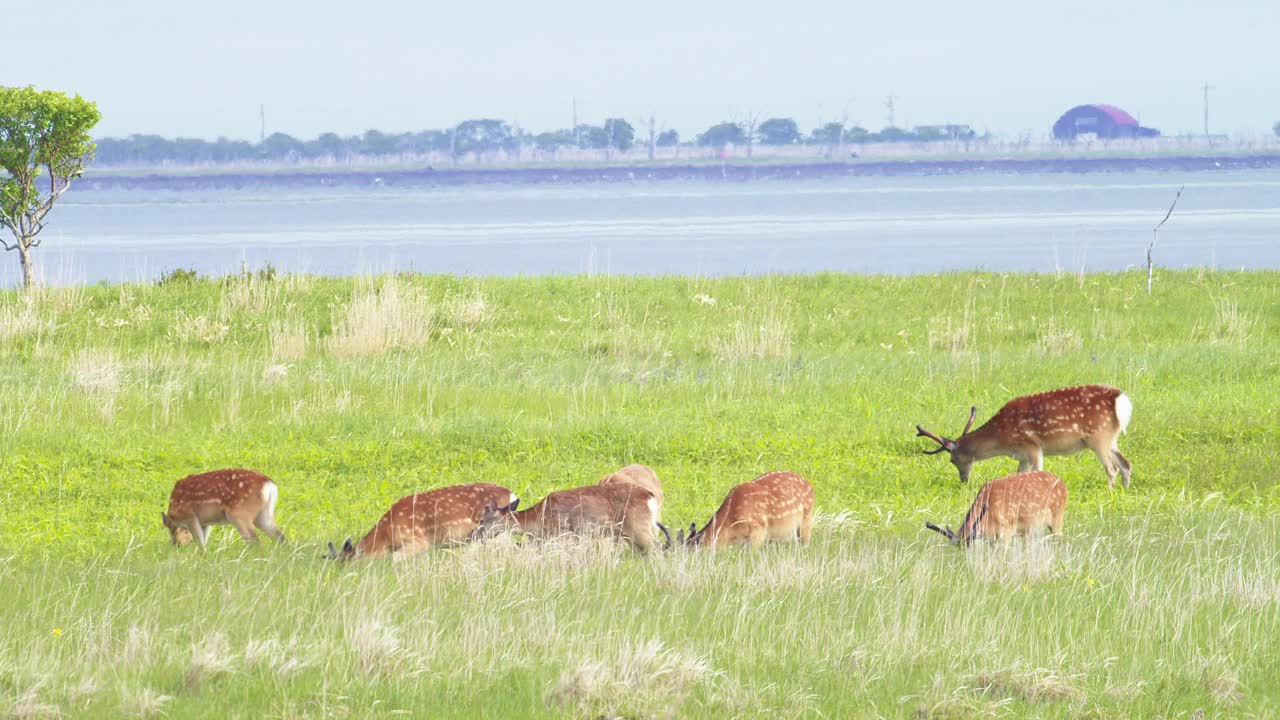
(44,143)
(621,135)
(668,138)
(1276,128)
(779,131)
(722,134)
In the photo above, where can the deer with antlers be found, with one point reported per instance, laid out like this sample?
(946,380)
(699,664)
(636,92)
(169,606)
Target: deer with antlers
(444,516)
(1014,504)
(238,497)
(773,506)
(622,510)
(1058,422)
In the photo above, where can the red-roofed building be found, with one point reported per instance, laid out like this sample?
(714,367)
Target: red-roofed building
(1105,121)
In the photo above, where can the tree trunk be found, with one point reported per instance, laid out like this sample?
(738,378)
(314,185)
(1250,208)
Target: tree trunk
(28,268)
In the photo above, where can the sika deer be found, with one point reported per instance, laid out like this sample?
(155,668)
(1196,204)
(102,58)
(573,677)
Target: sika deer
(1014,504)
(447,515)
(1058,422)
(776,505)
(640,476)
(622,510)
(239,497)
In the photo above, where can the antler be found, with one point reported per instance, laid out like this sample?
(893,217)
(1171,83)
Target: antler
(943,443)
(973,413)
(667,533)
(948,533)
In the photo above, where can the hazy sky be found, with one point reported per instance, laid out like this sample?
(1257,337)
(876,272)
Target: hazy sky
(202,68)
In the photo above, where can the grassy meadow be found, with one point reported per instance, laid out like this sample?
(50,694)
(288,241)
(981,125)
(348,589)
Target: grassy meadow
(1162,601)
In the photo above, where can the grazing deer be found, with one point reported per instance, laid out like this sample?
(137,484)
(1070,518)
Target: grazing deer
(622,510)
(1058,422)
(447,515)
(776,505)
(641,476)
(1014,504)
(238,497)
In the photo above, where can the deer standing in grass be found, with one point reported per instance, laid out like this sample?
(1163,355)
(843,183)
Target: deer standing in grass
(776,506)
(1058,422)
(640,476)
(1014,504)
(239,497)
(447,515)
(622,510)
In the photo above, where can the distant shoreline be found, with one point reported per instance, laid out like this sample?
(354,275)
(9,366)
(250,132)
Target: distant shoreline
(167,179)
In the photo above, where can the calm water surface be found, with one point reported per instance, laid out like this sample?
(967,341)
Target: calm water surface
(866,225)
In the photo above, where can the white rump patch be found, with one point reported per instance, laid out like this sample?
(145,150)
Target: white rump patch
(269,493)
(653,508)
(1124,410)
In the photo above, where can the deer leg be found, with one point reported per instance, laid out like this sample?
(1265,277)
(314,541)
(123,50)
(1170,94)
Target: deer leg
(757,536)
(1055,523)
(1104,457)
(806,529)
(1126,468)
(199,532)
(267,524)
(245,528)
(1035,456)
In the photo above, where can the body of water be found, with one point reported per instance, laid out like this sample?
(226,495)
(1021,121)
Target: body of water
(1039,222)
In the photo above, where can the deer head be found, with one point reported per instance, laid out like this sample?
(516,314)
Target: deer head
(178,534)
(961,455)
(348,551)
(495,519)
(689,540)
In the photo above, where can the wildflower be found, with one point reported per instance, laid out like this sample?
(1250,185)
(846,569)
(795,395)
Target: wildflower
(57,632)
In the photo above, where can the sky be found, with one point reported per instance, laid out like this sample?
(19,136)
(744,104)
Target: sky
(202,69)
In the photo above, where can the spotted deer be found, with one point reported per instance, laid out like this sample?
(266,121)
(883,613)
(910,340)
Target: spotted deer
(640,476)
(238,497)
(622,510)
(1058,422)
(776,505)
(1014,504)
(444,516)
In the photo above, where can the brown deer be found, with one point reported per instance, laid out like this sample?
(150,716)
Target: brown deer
(1058,422)
(639,475)
(622,510)
(1014,504)
(444,516)
(776,505)
(238,497)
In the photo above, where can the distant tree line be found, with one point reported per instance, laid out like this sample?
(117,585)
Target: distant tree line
(487,136)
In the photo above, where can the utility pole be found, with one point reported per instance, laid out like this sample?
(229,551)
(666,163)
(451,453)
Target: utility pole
(1206,89)
(262,123)
(888,103)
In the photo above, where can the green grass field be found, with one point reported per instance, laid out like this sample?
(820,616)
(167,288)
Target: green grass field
(1158,602)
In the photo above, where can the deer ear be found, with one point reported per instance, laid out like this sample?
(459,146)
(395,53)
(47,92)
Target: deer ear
(333,552)
(512,507)
(347,547)
(164,518)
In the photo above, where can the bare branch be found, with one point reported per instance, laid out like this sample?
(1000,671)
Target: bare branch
(1155,235)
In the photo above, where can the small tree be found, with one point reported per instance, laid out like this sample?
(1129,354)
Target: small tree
(1276,128)
(668,138)
(779,131)
(44,141)
(621,135)
(722,134)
